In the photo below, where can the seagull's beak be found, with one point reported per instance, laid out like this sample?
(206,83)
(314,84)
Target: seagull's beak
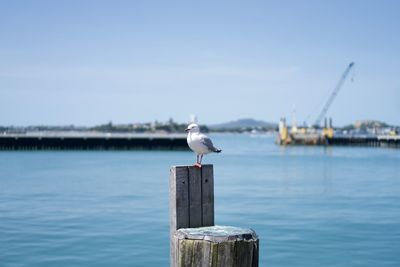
(187,130)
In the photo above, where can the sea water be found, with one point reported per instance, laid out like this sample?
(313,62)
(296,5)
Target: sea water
(310,206)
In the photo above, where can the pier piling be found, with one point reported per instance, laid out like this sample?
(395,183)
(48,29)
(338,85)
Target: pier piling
(194,240)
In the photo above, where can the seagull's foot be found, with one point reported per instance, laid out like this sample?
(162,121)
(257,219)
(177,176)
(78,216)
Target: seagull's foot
(197,165)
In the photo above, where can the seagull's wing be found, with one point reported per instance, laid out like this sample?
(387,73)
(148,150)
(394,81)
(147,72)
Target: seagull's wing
(205,140)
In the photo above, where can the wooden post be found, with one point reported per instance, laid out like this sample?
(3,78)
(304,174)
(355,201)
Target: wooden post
(222,246)
(194,240)
(191,200)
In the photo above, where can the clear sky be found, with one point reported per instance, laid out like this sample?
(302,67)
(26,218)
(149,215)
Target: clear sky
(89,62)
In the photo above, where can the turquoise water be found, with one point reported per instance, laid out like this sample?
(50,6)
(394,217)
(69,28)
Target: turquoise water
(311,206)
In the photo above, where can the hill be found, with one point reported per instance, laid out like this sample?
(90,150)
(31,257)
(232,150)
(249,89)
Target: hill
(246,123)
(366,124)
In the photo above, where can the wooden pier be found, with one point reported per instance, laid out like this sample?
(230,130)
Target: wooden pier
(341,140)
(371,141)
(92,141)
(389,141)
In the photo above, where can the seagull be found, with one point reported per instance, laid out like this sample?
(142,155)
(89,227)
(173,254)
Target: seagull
(200,143)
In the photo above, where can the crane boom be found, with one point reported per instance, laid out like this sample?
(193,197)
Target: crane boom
(334,93)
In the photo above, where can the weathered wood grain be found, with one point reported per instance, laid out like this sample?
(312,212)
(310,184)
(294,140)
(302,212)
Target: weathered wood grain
(244,253)
(179,205)
(207,185)
(256,253)
(195,198)
(191,200)
(214,254)
(201,253)
(226,253)
(217,246)
(179,198)
(185,250)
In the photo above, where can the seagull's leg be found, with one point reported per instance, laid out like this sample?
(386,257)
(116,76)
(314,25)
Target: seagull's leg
(197,162)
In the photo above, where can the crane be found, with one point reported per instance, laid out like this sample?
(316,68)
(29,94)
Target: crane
(334,93)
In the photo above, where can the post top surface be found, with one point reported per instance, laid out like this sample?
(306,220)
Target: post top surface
(217,233)
(191,166)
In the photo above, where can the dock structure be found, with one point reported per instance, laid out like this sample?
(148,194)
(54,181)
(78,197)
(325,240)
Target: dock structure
(365,140)
(327,136)
(322,139)
(92,141)
(194,239)
(389,141)
(354,140)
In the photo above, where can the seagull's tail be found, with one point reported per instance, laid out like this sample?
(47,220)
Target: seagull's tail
(217,150)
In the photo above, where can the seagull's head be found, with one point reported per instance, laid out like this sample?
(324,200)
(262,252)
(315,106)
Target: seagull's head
(193,128)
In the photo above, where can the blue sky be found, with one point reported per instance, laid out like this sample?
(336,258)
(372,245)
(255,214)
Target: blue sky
(89,62)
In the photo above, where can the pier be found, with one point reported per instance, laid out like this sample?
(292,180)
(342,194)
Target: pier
(341,140)
(92,141)
(365,140)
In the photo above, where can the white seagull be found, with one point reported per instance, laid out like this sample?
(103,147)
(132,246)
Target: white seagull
(200,143)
